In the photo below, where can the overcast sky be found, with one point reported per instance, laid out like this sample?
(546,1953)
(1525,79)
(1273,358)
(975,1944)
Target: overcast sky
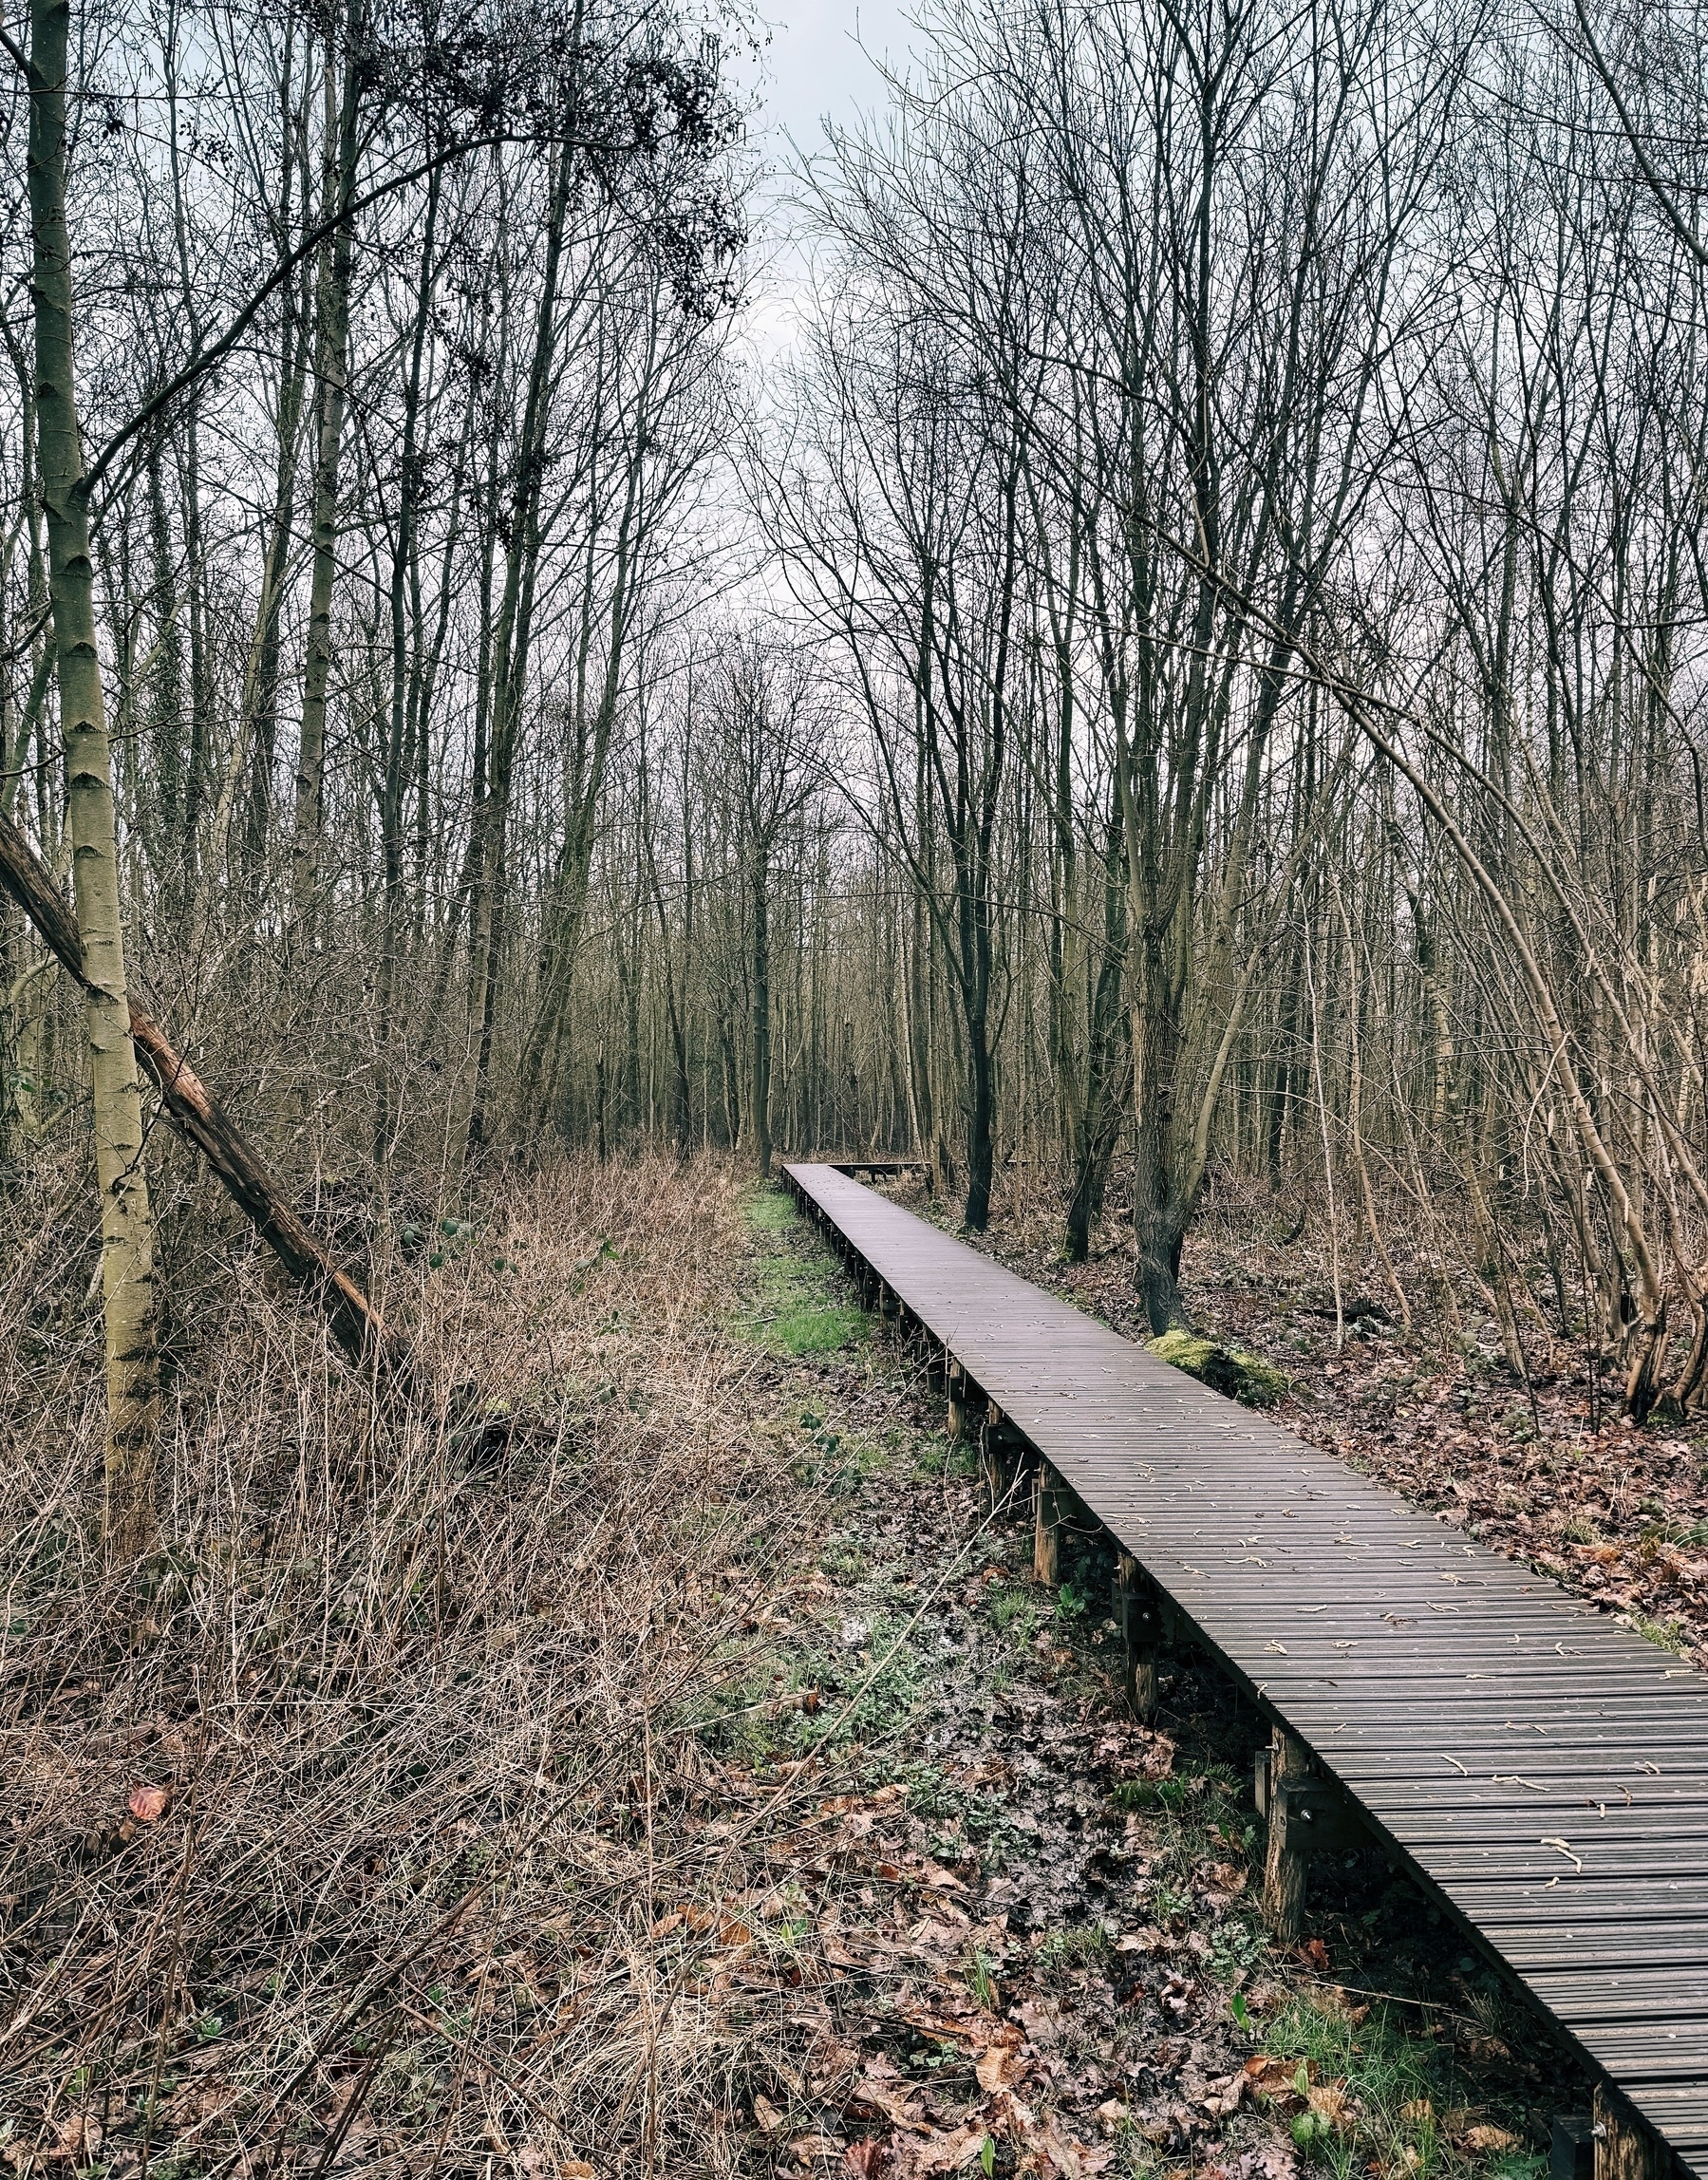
(815,64)
(819,63)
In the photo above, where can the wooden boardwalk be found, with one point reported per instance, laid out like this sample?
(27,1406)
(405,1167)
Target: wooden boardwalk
(1542,1771)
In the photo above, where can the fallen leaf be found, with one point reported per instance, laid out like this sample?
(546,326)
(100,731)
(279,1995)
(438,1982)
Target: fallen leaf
(1041,2020)
(576,2168)
(893,2104)
(78,2138)
(862,2157)
(147,1804)
(940,1879)
(1223,2098)
(1002,2066)
(1486,2138)
(808,2149)
(1328,2101)
(950,2153)
(1316,1952)
(766,2117)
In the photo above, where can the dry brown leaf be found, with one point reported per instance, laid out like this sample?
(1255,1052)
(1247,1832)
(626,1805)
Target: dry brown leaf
(1060,2152)
(766,2117)
(147,1804)
(1329,2101)
(862,2157)
(1275,2079)
(1223,2098)
(1000,2066)
(808,2149)
(949,2153)
(76,2139)
(895,2104)
(1487,2138)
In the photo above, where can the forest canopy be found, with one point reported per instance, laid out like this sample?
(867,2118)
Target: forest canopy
(1185,660)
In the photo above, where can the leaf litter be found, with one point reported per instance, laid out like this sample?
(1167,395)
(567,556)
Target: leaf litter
(1035,1943)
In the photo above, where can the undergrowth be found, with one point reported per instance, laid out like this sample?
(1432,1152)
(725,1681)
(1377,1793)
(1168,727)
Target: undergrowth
(339,1832)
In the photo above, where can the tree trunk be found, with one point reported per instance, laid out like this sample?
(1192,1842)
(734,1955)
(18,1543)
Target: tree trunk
(126,1218)
(331,369)
(356,1324)
(760,1096)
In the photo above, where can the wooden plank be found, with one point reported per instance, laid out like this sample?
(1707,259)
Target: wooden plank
(1543,1772)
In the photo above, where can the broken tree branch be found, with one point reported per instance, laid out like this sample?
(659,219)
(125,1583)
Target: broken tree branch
(198,1119)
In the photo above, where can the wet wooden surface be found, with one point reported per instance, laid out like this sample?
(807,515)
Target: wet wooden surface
(1543,1772)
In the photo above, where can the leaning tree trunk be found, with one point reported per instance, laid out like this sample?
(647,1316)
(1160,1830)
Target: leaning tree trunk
(126,1220)
(198,1119)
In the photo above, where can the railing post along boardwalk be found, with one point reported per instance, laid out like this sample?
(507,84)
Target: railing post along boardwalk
(1542,1772)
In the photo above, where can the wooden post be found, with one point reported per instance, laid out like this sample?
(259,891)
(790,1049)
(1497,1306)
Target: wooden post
(1624,2148)
(957,1402)
(1046,1525)
(1284,1866)
(1137,1616)
(993,1463)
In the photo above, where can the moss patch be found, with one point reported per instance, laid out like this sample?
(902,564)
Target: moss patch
(1229,1370)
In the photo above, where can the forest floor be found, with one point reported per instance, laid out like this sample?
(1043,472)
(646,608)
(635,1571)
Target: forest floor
(673,1773)
(1548,1472)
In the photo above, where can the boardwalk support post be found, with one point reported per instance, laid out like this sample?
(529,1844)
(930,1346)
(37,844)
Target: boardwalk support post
(1289,1842)
(1140,1626)
(993,1461)
(1624,2148)
(1046,1525)
(957,1402)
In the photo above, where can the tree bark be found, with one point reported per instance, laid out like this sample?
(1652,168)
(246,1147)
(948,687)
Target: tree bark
(760,1096)
(126,1217)
(199,1119)
(331,375)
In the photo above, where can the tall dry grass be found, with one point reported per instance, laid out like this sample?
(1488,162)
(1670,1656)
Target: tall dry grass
(413,1692)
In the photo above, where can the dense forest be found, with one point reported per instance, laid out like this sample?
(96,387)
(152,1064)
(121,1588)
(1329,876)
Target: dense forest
(1231,539)
(1179,671)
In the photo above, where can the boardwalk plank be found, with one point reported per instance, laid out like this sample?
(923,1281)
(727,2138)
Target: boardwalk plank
(1542,1771)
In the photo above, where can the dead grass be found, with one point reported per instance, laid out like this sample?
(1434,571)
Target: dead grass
(430,1878)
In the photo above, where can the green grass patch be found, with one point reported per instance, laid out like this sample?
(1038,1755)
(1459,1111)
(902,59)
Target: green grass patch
(1375,2098)
(800,1305)
(1015,1613)
(941,1455)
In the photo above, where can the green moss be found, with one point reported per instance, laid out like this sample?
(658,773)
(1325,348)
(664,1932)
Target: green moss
(1229,1370)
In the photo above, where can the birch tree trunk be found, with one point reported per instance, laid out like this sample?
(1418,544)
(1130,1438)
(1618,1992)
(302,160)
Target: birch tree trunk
(126,1220)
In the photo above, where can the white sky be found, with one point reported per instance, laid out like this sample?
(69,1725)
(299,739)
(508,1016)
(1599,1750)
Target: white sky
(815,63)
(820,64)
